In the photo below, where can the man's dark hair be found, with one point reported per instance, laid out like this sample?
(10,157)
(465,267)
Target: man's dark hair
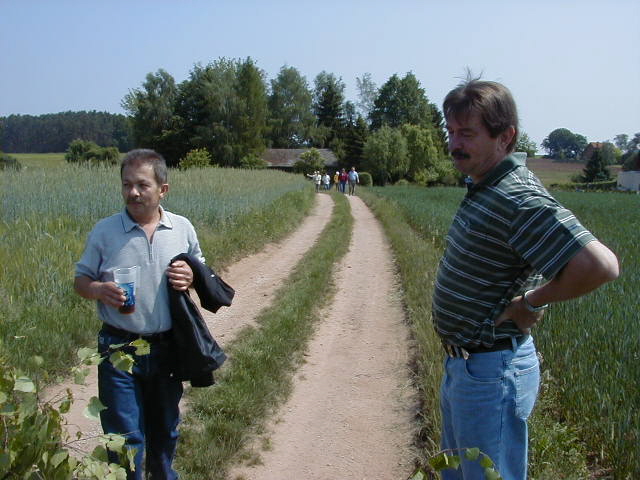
(146,155)
(491,100)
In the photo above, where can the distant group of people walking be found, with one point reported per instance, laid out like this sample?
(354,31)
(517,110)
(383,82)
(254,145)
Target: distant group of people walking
(340,180)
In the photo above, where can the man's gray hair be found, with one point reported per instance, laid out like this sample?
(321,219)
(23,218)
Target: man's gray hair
(151,157)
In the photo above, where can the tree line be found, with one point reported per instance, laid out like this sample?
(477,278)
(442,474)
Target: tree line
(230,110)
(53,132)
(229,113)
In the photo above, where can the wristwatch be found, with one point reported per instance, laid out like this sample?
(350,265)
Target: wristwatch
(530,307)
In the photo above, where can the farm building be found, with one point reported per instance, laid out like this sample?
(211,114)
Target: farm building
(629,180)
(284,158)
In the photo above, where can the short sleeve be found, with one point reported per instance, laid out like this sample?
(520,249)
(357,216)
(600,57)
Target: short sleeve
(194,244)
(89,263)
(547,235)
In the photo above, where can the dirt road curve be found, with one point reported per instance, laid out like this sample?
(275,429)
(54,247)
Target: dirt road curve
(349,415)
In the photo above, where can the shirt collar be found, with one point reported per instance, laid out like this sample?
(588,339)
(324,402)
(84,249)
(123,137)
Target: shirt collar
(507,165)
(129,223)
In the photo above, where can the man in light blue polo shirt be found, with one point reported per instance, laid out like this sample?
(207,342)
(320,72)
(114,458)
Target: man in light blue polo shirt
(142,405)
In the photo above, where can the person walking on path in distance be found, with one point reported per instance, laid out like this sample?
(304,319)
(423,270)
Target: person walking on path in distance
(336,180)
(317,179)
(142,405)
(326,181)
(508,237)
(344,176)
(353,179)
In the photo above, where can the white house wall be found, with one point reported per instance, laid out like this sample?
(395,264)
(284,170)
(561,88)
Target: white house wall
(629,180)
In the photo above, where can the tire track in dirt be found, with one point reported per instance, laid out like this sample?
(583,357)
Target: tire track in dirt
(349,415)
(255,279)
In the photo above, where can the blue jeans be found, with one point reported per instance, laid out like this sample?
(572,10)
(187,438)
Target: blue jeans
(143,406)
(485,402)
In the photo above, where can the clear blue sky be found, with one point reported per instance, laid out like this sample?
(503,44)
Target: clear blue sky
(572,64)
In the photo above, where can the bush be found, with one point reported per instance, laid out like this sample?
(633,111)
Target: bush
(8,162)
(196,158)
(310,161)
(365,179)
(253,162)
(403,182)
(84,151)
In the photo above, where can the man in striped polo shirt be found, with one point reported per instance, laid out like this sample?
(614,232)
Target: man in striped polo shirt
(508,237)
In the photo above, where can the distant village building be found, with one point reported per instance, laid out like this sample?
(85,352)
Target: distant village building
(588,151)
(285,158)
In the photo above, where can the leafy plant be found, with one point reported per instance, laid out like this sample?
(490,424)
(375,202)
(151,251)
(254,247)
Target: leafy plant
(196,158)
(452,459)
(35,442)
(252,161)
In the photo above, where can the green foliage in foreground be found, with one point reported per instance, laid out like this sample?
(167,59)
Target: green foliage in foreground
(46,214)
(34,440)
(589,344)
(262,359)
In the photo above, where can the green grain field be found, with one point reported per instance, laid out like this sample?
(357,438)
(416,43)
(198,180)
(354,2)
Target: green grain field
(590,345)
(46,214)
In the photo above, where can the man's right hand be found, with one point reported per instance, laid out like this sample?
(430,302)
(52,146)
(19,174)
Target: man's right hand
(107,292)
(520,315)
(110,294)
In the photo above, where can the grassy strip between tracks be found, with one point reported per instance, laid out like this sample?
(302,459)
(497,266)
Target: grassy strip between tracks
(258,376)
(555,451)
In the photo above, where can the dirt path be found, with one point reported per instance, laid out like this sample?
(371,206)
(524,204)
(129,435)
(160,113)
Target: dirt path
(349,415)
(255,279)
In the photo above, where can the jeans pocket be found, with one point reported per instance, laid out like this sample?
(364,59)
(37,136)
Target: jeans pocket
(527,378)
(484,370)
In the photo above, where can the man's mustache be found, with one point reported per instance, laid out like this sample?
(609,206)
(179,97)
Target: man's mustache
(460,154)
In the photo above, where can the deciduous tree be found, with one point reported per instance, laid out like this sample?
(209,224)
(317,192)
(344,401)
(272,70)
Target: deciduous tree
(291,117)
(562,144)
(152,109)
(386,155)
(525,144)
(367,93)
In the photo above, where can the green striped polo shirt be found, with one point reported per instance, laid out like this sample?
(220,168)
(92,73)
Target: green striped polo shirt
(507,236)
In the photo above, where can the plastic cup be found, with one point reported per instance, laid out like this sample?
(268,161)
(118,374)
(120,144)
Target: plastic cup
(126,278)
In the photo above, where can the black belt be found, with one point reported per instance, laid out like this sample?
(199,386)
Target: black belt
(500,344)
(149,337)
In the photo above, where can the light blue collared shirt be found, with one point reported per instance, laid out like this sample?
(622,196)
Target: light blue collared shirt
(118,241)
